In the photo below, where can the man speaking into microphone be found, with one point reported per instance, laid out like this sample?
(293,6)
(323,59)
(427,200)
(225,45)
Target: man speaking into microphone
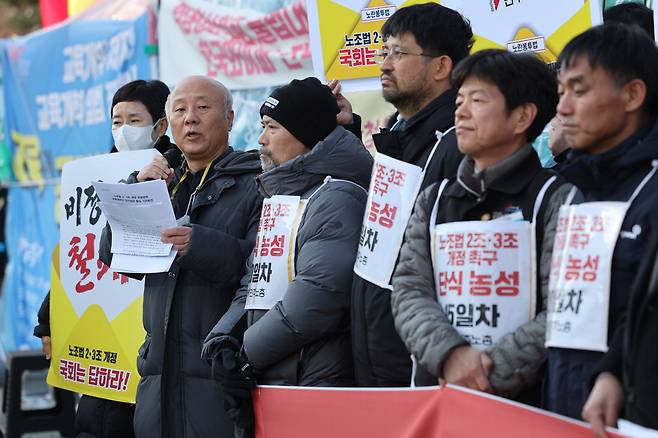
(213,193)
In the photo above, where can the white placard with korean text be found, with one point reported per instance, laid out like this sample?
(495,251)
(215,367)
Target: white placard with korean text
(95,312)
(274,252)
(393,189)
(579,288)
(484,277)
(85,278)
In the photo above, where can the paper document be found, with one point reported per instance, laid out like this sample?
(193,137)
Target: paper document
(137,214)
(142,264)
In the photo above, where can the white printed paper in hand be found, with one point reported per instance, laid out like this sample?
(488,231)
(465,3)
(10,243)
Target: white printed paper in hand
(484,277)
(273,255)
(393,189)
(579,288)
(137,214)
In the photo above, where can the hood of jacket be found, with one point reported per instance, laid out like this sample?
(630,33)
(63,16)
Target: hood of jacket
(234,162)
(341,155)
(607,171)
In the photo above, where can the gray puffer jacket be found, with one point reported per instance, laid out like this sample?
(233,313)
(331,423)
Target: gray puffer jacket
(304,339)
(422,322)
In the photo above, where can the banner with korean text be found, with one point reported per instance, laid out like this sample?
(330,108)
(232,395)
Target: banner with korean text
(579,286)
(274,252)
(96,314)
(528,25)
(484,275)
(58,87)
(345,34)
(393,188)
(240,47)
(282,412)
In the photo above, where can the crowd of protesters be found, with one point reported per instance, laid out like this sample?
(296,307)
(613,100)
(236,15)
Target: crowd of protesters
(263,289)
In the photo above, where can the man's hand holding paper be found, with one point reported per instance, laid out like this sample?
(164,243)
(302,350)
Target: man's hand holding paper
(138,215)
(179,237)
(158,168)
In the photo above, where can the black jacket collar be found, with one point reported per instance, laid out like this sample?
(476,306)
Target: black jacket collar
(603,172)
(412,143)
(442,108)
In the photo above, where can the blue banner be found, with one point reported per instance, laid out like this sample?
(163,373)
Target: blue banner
(58,87)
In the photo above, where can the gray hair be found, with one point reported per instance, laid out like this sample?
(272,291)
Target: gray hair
(228,99)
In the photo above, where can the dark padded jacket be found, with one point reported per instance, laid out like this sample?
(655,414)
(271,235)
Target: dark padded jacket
(632,356)
(612,176)
(380,357)
(177,395)
(304,339)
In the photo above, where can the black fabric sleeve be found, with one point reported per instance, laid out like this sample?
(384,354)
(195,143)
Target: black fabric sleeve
(355,126)
(43,317)
(613,359)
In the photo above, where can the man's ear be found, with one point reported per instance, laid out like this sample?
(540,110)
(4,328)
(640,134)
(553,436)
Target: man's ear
(524,114)
(443,68)
(634,94)
(229,117)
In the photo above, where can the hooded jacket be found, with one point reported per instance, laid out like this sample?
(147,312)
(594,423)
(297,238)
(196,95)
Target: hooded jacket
(176,395)
(380,357)
(611,176)
(304,339)
(514,183)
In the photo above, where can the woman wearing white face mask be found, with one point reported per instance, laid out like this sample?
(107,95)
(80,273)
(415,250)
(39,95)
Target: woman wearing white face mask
(138,122)
(138,116)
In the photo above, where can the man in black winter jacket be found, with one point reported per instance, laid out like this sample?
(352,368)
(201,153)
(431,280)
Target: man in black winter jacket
(608,105)
(422,45)
(213,191)
(627,380)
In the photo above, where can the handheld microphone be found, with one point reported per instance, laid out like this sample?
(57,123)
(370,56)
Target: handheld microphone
(174,157)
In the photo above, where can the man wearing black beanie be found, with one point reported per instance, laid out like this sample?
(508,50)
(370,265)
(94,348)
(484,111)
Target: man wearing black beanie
(305,107)
(296,297)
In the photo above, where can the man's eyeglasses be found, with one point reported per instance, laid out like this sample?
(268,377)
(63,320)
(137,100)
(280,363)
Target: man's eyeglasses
(395,54)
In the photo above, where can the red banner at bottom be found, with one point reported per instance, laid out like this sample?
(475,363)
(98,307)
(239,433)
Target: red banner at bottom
(285,412)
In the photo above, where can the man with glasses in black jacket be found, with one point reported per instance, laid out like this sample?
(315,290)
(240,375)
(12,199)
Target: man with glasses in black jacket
(422,44)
